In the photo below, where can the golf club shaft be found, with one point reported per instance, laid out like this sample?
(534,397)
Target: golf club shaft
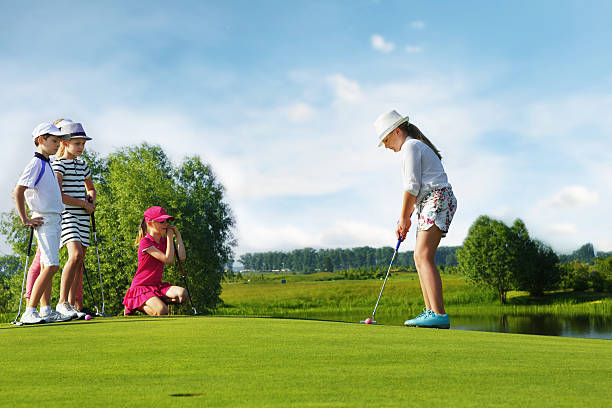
(399,241)
(90,289)
(93,225)
(178,260)
(25,270)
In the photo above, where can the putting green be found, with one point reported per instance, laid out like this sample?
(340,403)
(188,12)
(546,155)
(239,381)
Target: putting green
(242,362)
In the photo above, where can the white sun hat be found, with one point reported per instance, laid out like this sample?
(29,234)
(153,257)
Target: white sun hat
(74,130)
(46,128)
(386,123)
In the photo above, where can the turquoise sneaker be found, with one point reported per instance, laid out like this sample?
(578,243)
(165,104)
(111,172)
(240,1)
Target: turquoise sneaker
(416,320)
(434,320)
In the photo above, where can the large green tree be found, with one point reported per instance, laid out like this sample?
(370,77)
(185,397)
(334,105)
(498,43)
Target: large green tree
(506,258)
(489,255)
(129,181)
(537,267)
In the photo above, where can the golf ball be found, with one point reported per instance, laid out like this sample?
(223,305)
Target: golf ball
(368,321)
(87,317)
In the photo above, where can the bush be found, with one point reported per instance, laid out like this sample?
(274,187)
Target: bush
(596,281)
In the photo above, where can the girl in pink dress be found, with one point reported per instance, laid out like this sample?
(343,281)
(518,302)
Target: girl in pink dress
(148,293)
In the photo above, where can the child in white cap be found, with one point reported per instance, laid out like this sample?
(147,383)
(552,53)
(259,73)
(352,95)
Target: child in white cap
(39,188)
(426,189)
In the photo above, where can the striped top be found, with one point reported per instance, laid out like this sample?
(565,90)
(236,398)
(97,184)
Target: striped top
(74,172)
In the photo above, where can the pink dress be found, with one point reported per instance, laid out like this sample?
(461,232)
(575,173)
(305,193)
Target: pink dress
(147,282)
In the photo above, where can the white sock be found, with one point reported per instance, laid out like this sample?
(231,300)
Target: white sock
(31,309)
(45,310)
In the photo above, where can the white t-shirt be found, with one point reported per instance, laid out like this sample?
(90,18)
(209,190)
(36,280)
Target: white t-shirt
(422,170)
(46,196)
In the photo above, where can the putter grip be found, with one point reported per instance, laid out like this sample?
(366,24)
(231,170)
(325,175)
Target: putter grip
(399,241)
(93,217)
(30,240)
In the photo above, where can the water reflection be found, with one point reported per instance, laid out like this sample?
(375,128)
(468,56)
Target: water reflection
(597,327)
(586,326)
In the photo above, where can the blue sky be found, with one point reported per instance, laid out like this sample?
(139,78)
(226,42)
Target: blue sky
(280,98)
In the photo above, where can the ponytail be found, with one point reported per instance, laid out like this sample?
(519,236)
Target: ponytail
(412,131)
(60,152)
(62,148)
(142,231)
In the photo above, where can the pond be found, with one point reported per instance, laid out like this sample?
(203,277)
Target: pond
(585,326)
(596,327)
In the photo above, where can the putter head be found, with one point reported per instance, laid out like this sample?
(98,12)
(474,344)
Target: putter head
(102,314)
(16,323)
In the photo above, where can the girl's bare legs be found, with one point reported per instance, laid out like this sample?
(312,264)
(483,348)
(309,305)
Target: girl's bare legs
(423,288)
(431,284)
(75,261)
(176,294)
(155,307)
(158,307)
(75,295)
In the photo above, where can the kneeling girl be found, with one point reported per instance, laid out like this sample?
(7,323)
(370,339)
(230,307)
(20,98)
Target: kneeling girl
(148,293)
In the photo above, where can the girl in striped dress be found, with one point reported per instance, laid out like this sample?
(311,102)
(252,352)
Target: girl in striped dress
(79,197)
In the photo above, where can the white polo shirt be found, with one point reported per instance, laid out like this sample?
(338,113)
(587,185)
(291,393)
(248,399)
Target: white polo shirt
(46,196)
(422,170)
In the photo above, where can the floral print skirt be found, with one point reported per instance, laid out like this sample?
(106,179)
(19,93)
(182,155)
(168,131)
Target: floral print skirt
(437,208)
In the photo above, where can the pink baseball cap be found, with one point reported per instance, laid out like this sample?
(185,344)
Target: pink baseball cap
(156,214)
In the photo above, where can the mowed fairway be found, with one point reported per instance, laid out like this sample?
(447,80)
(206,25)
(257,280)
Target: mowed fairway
(250,362)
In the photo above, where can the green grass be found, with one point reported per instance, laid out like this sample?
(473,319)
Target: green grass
(242,362)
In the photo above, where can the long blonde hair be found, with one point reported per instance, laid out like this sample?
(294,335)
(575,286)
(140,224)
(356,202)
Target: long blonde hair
(412,131)
(62,149)
(142,231)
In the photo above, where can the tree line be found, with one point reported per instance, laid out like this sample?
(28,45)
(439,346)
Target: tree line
(493,255)
(308,260)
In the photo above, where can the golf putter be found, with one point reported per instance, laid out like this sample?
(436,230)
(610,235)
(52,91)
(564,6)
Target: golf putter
(16,322)
(399,241)
(180,265)
(91,291)
(93,225)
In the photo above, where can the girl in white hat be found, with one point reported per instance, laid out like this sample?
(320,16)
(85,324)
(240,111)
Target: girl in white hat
(426,189)
(79,197)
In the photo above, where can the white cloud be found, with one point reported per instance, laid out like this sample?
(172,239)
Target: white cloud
(567,117)
(413,49)
(300,112)
(417,25)
(572,197)
(257,237)
(563,229)
(379,44)
(345,89)
(355,233)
